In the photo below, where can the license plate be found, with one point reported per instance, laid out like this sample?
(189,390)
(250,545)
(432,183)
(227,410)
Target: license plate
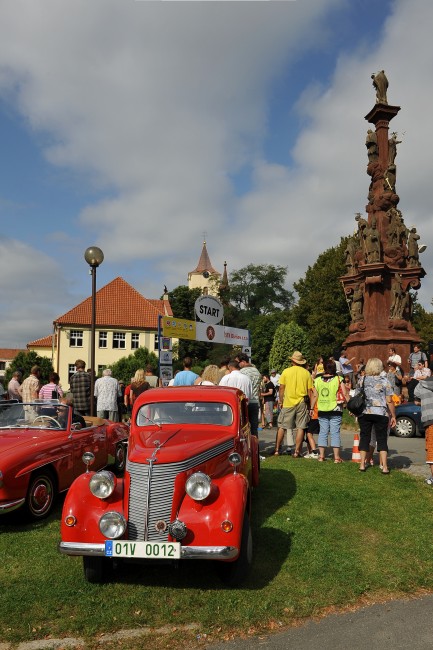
(153,550)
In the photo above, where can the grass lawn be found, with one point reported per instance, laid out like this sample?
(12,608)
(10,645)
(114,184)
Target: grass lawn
(325,536)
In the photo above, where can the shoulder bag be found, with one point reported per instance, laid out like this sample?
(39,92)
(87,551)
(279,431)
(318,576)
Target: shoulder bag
(356,404)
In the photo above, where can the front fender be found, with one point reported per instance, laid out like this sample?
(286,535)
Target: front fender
(117,431)
(87,510)
(228,501)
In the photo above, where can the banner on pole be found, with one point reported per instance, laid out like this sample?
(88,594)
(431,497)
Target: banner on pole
(222,334)
(179,328)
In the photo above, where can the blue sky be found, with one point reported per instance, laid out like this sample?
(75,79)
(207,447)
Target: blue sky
(138,126)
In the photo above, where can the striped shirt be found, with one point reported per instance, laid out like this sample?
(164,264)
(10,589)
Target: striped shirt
(46,391)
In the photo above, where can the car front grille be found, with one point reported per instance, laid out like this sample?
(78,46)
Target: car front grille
(160,495)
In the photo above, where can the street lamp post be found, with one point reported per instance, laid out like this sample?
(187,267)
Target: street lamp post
(94,257)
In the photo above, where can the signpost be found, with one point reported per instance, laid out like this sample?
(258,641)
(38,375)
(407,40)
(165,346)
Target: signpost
(210,311)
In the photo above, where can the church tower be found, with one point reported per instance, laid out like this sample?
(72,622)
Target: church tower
(204,276)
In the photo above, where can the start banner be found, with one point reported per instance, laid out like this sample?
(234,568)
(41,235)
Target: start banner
(221,334)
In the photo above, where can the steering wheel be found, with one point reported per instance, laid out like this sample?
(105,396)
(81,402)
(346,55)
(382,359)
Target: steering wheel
(166,420)
(47,417)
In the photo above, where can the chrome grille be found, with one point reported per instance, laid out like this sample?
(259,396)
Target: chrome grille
(161,490)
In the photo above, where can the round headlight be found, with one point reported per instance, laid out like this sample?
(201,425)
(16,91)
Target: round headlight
(112,525)
(102,484)
(198,486)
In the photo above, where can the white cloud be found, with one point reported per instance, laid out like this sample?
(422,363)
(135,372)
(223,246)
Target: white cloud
(31,283)
(164,103)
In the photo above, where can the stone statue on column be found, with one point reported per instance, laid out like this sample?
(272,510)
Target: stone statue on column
(392,148)
(380,83)
(371,144)
(412,248)
(372,243)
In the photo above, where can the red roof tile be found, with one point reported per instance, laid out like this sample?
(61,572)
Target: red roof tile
(118,304)
(45,342)
(8,354)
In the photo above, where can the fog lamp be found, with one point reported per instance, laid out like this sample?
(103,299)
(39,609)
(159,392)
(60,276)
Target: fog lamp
(112,525)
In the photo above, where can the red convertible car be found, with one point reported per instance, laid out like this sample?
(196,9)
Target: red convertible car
(186,491)
(41,451)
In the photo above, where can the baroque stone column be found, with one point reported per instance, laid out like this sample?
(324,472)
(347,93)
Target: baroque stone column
(382,257)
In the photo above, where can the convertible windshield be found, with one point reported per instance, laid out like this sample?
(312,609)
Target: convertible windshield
(185,413)
(39,415)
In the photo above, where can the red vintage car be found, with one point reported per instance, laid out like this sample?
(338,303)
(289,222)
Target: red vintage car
(186,491)
(41,450)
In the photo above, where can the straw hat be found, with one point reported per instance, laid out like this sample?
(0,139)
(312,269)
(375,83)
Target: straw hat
(298,358)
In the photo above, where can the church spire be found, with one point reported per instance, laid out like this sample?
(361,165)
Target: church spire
(204,263)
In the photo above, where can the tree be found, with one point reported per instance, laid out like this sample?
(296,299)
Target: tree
(258,290)
(24,361)
(262,330)
(288,338)
(126,367)
(422,321)
(322,309)
(182,300)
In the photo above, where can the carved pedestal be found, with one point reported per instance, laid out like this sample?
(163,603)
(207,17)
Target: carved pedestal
(382,316)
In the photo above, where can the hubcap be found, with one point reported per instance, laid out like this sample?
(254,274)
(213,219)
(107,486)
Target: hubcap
(404,428)
(41,497)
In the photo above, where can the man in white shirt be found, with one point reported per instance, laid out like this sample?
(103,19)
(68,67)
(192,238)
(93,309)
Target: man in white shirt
(393,356)
(107,391)
(237,379)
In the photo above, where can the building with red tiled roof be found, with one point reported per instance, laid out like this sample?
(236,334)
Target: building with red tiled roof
(204,276)
(125,321)
(7,355)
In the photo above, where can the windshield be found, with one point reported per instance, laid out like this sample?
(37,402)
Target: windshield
(39,415)
(216,413)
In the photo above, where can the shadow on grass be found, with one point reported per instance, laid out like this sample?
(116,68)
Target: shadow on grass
(19,521)
(271,546)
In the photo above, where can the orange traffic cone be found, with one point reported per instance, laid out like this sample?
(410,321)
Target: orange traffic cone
(356,456)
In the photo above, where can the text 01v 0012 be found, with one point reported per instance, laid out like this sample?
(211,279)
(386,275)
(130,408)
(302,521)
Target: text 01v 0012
(160,550)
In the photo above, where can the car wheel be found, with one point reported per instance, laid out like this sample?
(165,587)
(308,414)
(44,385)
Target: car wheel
(405,427)
(120,458)
(96,569)
(41,495)
(234,573)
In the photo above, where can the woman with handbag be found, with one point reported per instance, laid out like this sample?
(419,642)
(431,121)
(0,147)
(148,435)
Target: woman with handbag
(378,405)
(330,392)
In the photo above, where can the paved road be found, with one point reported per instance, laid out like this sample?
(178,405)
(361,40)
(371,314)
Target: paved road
(407,454)
(396,625)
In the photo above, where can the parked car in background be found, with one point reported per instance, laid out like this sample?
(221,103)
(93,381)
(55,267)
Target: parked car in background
(186,492)
(408,417)
(41,451)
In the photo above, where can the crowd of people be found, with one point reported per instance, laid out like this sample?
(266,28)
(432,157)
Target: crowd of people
(301,402)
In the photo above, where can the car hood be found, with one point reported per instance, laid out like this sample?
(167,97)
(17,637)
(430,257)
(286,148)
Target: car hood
(176,442)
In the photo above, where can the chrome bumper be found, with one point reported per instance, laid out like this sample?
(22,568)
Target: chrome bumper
(186,552)
(9,506)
